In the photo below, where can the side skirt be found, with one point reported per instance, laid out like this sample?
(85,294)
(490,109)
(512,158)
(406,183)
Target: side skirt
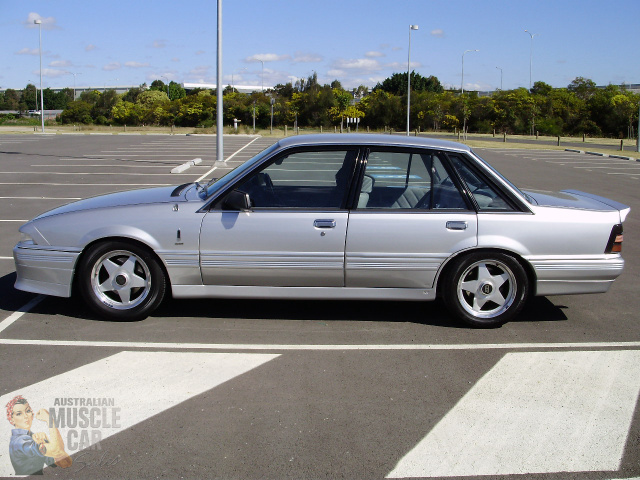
(301,293)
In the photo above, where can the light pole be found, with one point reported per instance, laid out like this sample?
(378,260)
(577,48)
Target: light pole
(462,83)
(500,77)
(74,84)
(411,27)
(531,56)
(219,125)
(39,23)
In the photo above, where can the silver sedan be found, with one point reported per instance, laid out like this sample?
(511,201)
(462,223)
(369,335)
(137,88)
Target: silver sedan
(363,217)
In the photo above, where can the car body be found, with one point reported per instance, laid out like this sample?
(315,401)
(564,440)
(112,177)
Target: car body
(365,217)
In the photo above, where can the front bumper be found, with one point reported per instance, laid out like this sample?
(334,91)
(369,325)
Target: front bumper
(43,269)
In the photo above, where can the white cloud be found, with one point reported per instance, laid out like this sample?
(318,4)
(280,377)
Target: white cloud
(159,44)
(53,72)
(267,57)
(60,63)
(28,51)
(48,23)
(374,54)
(301,57)
(437,33)
(90,47)
(135,64)
(112,66)
(362,64)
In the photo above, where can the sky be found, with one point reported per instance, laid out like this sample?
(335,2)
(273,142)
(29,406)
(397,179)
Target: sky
(357,42)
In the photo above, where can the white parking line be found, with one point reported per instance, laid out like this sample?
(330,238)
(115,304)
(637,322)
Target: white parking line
(345,347)
(233,155)
(43,198)
(542,412)
(135,385)
(16,315)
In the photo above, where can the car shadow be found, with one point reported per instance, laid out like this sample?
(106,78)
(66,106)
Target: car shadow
(538,309)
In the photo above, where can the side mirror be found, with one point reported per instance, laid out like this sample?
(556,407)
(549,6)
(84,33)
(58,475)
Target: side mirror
(237,200)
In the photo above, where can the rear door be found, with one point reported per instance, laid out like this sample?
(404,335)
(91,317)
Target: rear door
(410,217)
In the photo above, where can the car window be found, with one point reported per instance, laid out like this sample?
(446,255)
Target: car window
(486,196)
(307,179)
(408,180)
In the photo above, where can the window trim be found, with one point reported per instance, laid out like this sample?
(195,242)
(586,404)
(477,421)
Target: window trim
(515,204)
(451,171)
(218,199)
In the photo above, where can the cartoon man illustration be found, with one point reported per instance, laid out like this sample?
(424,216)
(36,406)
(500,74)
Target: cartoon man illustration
(29,452)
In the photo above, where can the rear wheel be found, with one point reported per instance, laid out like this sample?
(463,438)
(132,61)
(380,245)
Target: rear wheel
(485,289)
(121,281)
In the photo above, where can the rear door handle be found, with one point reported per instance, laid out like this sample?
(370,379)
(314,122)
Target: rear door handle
(324,223)
(457,225)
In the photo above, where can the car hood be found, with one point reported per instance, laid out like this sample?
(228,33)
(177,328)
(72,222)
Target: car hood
(120,199)
(578,200)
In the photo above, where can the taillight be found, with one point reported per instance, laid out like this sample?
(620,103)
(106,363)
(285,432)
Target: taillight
(614,245)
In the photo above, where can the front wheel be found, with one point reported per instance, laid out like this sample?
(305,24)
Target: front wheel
(485,289)
(121,281)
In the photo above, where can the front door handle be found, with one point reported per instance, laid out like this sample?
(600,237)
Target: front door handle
(324,223)
(457,225)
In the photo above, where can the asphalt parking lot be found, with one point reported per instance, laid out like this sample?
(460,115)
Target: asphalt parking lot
(304,389)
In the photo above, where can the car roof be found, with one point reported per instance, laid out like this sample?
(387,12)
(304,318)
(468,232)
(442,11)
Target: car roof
(370,140)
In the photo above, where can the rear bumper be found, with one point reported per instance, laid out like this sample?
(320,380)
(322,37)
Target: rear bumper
(574,276)
(45,270)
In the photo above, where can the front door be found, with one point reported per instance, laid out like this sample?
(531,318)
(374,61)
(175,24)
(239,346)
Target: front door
(294,233)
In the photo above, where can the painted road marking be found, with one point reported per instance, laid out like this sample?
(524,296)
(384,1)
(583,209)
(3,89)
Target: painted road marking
(319,347)
(542,412)
(229,158)
(16,315)
(134,385)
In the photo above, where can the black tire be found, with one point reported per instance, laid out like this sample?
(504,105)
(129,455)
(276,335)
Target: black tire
(121,281)
(485,290)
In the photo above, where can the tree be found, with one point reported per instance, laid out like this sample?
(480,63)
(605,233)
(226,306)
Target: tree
(582,87)
(78,111)
(396,84)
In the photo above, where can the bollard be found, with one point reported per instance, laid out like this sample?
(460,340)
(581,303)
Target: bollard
(558,140)
(537,133)
(320,128)
(494,133)
(285,130)
(504,137)
(583,137)
(622,145)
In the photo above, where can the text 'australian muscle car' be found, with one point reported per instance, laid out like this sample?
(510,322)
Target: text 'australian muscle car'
(364,217)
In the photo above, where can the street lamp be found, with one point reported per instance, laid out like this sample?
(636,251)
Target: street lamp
(411,27)
(530,55)
(219,100)
(500,77)
(462,83)
(39,23)
(74,84)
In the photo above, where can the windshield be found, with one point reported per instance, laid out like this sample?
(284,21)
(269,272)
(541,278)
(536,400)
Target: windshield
(229,177)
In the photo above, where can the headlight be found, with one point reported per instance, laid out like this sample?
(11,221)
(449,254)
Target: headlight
(26,239)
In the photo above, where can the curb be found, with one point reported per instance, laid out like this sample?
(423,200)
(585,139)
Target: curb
(605,155)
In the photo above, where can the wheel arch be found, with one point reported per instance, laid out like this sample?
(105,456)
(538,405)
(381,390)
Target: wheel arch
(133,241)
(450,262)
